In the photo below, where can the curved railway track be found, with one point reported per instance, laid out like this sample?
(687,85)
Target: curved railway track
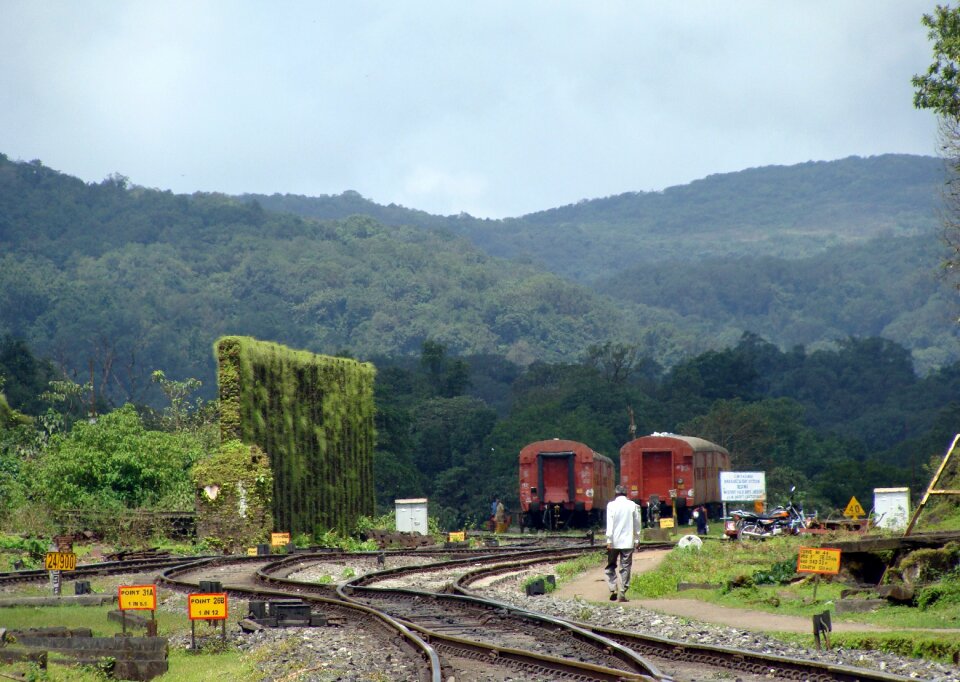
(424,663)
(674,655)
(474,634)
(103,568)
(466,636)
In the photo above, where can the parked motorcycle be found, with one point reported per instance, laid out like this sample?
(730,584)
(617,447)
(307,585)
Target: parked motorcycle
(781,520)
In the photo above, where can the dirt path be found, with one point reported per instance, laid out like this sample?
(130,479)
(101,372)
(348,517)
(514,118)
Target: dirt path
(592,586)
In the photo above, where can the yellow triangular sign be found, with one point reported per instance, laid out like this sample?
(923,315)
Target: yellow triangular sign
(854,510)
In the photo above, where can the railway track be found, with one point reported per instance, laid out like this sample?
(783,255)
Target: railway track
(457,629)
(440,635)
(238,577)
(103,568)
(675,657)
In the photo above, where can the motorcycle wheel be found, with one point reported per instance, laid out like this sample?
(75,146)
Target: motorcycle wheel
(749,531)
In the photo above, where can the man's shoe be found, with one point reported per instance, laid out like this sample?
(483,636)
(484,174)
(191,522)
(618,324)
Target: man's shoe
(613,596)
(622,597)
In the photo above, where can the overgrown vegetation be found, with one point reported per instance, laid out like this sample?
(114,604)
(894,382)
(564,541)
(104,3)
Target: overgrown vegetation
(313,415)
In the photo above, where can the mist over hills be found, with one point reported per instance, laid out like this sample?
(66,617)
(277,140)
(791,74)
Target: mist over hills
(135,279)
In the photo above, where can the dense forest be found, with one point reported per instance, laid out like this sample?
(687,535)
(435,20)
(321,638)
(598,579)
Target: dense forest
(833,423)
(794,315)
(783,211)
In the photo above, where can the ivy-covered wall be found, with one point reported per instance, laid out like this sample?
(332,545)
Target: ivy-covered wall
(313,416)
(234,489)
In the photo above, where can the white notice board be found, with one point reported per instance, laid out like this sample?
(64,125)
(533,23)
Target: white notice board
(743,486)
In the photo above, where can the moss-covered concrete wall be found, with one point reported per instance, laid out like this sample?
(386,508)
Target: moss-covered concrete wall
(234,495)
(313,416)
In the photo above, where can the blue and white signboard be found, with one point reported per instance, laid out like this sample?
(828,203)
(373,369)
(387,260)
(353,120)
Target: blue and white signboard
(743,486)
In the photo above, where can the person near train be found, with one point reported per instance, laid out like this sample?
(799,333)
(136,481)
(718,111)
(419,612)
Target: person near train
(500,518)
(700,518)
(623,535)
(491,521)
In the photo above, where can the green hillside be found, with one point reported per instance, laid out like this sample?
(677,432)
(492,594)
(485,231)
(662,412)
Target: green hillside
(130,279)
(133,279)
(784,211)
(803,254)
(890,287)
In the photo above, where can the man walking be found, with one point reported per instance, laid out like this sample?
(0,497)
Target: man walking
(623,536)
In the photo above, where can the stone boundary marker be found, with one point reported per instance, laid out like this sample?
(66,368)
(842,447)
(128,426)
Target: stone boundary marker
(136,658)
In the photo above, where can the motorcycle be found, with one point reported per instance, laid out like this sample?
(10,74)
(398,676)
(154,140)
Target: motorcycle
(781,520)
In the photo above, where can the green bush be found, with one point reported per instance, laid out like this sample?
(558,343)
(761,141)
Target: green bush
(942,593)
(115,464)
(780,573)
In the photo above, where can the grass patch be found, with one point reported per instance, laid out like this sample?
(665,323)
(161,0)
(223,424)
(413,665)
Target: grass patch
(929,646)
(93,617)
(716,562)
(571,569)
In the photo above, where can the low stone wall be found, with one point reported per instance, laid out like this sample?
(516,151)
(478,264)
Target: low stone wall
(135,658)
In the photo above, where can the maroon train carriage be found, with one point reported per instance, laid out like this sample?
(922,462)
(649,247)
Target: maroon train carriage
(564,484)
(664,468)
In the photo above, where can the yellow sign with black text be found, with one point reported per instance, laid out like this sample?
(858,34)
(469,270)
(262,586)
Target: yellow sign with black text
(818,560)
(60,561)
(137,597)
(207,606)
(457,536)
(854,509)
(666,523)
(279,539)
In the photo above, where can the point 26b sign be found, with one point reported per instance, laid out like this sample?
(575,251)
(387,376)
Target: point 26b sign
(207,606)
(743,486)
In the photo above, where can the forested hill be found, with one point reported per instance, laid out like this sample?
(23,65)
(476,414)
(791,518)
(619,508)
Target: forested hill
(784,211)
(802,254)
(133,280)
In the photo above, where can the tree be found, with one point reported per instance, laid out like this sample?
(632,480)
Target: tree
(115,463)
(939,90)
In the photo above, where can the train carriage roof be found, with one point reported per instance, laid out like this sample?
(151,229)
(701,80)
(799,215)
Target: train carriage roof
(697,444)
(559,445)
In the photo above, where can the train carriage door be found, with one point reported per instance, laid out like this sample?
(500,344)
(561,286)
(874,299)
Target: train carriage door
(555,474)
(658,473)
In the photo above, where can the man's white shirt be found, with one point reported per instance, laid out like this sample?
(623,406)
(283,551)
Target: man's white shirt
(623,523)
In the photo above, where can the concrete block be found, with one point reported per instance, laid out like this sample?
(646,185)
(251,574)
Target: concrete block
(858,605)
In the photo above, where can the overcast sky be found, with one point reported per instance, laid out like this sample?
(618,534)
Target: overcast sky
(492,108)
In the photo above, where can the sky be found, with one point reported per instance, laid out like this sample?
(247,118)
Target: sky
(493,108)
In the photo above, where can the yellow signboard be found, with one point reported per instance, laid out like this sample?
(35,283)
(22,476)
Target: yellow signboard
(279,539)
(251,551)
(137,597)
(456,536)
(854,510)
(60,561)
(207,606)
(666,523)
(818,560)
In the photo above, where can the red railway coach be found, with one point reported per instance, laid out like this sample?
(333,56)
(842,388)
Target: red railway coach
(564,484)
(664,468)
